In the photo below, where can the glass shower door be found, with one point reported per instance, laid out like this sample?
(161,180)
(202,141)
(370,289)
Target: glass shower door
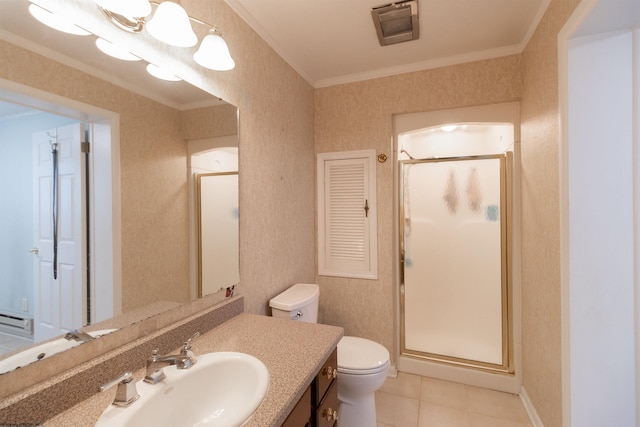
(454,261)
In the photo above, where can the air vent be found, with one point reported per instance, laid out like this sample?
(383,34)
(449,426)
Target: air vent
(396,22)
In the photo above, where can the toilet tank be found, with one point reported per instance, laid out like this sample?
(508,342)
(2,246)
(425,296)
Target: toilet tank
(299,302)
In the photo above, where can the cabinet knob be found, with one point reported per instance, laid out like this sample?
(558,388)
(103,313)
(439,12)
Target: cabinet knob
(330,414)
(330,373)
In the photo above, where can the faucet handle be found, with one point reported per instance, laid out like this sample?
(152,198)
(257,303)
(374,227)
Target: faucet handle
(126,393)
(187,343)
(188,354)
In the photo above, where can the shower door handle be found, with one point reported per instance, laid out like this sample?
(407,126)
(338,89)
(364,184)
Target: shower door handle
(35,250)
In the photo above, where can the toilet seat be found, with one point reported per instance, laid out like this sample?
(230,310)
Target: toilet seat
(360,356)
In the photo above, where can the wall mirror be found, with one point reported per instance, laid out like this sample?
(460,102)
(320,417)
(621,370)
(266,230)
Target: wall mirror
(18,29)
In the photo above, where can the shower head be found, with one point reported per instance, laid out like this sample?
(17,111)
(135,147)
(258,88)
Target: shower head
(405,152)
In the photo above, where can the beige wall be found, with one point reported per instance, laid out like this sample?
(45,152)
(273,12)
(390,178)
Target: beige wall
(359,116)
(276,159)
(541,327)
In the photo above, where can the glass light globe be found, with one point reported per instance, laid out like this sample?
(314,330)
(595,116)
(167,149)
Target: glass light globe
(115,51)
(55,21)
(161,74)
(170,24)
(214,54)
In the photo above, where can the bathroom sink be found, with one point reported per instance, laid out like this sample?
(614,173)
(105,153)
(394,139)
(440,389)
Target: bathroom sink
(222,389)
(42,351)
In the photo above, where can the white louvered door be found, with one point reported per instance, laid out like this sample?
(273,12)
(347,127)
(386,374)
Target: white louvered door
(347,244)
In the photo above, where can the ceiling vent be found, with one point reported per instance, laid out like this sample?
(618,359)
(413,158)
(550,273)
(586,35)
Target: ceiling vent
(396,22)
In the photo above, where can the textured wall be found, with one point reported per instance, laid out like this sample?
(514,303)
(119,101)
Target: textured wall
(359,116)
(541,320)
(276,159)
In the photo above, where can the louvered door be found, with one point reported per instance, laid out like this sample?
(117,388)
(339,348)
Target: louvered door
(347,214)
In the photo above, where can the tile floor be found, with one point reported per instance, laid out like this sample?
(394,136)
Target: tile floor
(10,342)
(415,401)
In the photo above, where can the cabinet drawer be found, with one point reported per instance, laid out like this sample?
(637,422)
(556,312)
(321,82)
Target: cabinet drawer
(300,416)
(327,374)
(327,412)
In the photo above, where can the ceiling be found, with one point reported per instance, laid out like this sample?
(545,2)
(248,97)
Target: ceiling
(331,42)
(327,42)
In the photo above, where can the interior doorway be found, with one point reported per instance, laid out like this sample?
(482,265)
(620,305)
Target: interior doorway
(101,282)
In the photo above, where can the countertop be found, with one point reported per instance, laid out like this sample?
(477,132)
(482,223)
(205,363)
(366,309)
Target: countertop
(293,352)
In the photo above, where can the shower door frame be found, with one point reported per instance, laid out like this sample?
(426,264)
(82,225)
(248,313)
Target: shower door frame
(506,242)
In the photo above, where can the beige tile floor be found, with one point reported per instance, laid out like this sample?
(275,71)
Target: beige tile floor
(10,342)
(415,401)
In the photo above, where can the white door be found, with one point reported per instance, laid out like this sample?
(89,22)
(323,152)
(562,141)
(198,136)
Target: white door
(60,300)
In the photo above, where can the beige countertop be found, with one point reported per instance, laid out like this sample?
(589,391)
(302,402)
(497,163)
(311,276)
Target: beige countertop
(292,352)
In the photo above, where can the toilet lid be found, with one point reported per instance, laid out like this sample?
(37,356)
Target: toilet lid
(361,356)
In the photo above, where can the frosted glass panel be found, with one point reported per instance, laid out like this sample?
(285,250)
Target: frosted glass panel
(453,262)
(219,231)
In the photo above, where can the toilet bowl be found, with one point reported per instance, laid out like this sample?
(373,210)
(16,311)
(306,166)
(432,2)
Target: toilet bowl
(362,363)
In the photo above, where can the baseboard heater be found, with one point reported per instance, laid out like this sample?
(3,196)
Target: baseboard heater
(16,325)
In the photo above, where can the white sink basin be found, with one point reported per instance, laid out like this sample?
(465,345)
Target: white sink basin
(42,351)
(222,389)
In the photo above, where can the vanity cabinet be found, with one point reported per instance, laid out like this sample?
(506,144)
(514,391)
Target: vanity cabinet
(325,393)
(318,407)
(300,416)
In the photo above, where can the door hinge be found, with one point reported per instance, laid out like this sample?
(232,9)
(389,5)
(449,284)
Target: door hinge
(84,147)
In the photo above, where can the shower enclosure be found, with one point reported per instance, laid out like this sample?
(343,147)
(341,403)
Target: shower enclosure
(455,252)
(454,260)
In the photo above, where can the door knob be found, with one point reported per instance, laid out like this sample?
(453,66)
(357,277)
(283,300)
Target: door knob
(34,251)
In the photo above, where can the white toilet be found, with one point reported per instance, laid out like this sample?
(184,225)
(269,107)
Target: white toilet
(362,363)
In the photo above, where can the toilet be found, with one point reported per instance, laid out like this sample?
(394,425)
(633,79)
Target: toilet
(362,363)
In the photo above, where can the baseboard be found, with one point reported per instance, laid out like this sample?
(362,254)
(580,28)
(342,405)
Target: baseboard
(531,410)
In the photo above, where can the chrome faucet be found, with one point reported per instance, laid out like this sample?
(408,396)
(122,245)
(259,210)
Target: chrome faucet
(78,335)
(155,363)
(126,393)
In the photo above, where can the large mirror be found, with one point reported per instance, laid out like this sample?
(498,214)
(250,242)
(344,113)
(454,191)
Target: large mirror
(128,246)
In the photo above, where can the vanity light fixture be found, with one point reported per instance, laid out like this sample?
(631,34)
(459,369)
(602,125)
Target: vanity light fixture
(128,8)
(55,21)
(170,24)
(114,50)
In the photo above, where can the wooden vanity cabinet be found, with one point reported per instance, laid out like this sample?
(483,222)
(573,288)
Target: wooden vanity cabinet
(325,393)
(300,416)
(318,407)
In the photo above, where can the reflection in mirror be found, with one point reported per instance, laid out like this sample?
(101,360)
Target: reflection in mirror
(214,171)
(26,309)
(218,261)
